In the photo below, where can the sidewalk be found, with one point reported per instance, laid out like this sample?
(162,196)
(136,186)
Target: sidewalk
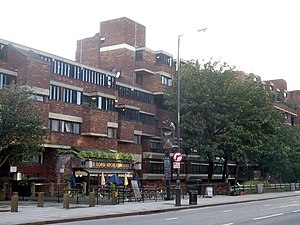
(53,212)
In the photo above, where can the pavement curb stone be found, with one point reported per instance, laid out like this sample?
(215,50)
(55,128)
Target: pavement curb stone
(148,209)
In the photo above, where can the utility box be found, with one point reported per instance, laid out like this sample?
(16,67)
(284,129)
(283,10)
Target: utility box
(260,188)
(209,192)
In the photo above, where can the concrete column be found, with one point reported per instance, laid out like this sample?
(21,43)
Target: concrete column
(40,199)
(92,199)
(66,203)
(14,202)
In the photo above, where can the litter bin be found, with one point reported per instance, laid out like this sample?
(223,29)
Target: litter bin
(193,197)
(209,192)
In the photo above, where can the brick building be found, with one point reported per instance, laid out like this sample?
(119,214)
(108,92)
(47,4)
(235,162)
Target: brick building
(108,101)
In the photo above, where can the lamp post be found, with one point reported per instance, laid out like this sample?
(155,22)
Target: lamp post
(178,67)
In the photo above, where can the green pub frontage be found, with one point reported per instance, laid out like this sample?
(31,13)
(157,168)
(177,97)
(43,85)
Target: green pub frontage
(93,171)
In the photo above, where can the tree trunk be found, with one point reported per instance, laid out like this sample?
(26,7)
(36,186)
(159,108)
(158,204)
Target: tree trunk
(210,170)
(224,172)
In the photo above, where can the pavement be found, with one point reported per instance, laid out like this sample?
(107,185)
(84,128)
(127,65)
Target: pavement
(53,212)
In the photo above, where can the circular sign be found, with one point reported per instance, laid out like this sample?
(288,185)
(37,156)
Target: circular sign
(177,157)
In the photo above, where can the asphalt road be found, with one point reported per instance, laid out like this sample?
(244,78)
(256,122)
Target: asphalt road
(269,212)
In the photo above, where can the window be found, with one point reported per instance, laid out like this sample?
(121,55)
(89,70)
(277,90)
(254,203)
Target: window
(79,73)
(147,119)
(38,98)
(66,126)
(71,96)
(53,125)
(106,103)
(111,132)
(130,114)
(3,51)
(157,168)
(139,55)
(164,59)
(166,81)
(6,79)
(70,127)
(137,139)
(2,80)
(38,158)
(54,92)
(156,147)
(130,93)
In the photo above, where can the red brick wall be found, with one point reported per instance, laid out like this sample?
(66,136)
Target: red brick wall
(87,51)
(122,30)
(120,59)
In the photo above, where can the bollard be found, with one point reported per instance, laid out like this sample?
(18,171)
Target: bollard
(14,202)
(52,189)
(66,202)
(177,194)
(92,199)
(40,202)
(33,189)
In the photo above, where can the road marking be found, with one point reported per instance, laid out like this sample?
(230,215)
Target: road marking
(285,206)
(225,211)
(174,218)
(265,217)
(228,223)
(268,205)
(296,211)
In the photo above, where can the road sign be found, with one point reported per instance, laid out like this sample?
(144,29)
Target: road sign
(177,157)
(176,165)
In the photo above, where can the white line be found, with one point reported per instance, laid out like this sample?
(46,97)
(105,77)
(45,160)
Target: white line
(228,223)
(265,217)
(174,218)
(225,211)
(285,206)
(296,211)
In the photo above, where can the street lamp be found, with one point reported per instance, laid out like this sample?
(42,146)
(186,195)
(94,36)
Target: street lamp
(178,191)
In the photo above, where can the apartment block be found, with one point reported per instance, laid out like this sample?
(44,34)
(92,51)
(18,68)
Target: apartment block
(109,103)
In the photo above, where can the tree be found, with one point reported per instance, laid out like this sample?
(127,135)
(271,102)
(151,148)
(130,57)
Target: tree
(281,154)
(21,127)
(223,114)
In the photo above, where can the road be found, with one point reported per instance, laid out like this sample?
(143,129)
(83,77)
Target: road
(269,212)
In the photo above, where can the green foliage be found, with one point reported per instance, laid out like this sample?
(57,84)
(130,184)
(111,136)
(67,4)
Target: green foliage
(21,127)
(83,154)
(291,104)
(280,155)
(223,114)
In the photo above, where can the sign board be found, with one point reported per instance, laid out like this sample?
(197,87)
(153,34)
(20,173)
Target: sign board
(176,165)
(136,189)
(13,169)
(177,157)
(167,168)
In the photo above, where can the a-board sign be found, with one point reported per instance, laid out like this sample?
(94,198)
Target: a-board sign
(136,189)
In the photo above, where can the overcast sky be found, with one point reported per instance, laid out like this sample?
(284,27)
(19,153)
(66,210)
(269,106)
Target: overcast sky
(258,36)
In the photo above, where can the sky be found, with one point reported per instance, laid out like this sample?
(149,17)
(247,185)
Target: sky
(255,36)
